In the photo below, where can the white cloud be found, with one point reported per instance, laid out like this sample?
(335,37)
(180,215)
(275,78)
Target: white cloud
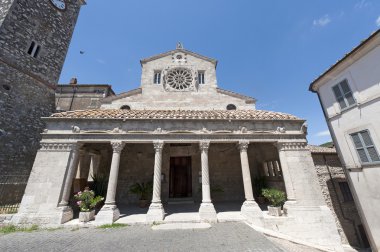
(323,21)
(362,4)
(378,21)
(100,61)
(323,133)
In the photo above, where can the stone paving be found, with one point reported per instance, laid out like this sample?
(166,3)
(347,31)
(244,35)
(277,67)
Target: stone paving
(220,237)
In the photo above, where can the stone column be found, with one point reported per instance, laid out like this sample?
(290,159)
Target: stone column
(249,209)
(156,211)
(73,167)
(109,212)
(290,193)
(206,211)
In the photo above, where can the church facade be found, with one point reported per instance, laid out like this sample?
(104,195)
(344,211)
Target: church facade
(195,141)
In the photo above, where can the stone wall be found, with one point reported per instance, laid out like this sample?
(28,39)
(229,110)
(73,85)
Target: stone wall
(4,9)
(23,100)
(330,173)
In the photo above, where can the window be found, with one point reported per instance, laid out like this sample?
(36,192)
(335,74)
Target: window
(126,107)
(231,107)
(343,94)
(272,169)
(157,77)
(34,49)
(346,192)
(201,77)
(365,147)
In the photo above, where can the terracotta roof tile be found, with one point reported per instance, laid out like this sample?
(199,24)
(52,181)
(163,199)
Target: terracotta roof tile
(175,114)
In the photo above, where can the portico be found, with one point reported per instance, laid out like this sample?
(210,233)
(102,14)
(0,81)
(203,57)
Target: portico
(198,144)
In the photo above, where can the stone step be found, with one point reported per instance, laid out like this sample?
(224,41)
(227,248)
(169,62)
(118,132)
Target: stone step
(176,201)
(181,226)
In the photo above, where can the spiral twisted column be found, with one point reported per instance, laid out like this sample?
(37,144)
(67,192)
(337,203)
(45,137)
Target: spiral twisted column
(206,195)
(156,211)
(158,146)
(73,166)
(114,172)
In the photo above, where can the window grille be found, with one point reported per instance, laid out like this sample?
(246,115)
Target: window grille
(343,94)
(365,148)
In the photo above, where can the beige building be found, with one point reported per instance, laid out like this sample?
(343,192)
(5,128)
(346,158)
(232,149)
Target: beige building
(191,138)
(349,93)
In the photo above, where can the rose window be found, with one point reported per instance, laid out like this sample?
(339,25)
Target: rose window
(179,78)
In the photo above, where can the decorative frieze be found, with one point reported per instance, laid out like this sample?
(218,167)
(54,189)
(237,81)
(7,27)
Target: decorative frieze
(58,147)
(292,146)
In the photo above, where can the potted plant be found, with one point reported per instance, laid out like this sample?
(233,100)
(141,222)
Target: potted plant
(143,190)
(259,184)
(87,202)
(276,199)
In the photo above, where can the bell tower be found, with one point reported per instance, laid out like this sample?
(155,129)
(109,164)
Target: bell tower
(34,40)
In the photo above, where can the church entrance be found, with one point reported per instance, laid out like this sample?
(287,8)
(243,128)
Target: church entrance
(180,177)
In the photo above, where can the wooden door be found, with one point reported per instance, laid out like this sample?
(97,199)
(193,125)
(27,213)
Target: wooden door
(180,177)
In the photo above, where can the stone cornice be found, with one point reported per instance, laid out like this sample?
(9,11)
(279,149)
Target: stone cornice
(292,146)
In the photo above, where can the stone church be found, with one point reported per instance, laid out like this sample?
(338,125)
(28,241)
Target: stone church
(200,144)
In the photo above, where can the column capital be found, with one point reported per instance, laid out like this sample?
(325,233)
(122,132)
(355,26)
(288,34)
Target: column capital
(204,145)
(117,146)
(158,145)
(243,145)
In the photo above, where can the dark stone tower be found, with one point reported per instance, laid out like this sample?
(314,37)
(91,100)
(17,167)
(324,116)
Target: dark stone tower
(34,40)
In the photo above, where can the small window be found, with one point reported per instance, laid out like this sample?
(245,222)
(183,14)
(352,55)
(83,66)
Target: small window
(126,107)
(343,94)
(346,192)
(201,77)
(6,87)
(231,107)
(157,77)
(34,49)
(365,147)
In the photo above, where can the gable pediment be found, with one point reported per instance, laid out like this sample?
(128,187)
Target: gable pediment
(172,52)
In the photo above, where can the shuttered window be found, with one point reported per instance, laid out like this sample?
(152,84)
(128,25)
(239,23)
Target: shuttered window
(343,94)
(364,146)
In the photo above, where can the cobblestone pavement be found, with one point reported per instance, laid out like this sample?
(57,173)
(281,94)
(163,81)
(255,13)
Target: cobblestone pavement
(221,237)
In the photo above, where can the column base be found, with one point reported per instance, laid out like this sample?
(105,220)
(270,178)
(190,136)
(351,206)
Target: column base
(252,212)
(56,216)
(107,215)
(207,213)
(156,212)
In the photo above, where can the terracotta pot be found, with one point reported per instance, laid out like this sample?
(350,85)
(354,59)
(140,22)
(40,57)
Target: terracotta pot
(274,211)
(86,216)
(143,203)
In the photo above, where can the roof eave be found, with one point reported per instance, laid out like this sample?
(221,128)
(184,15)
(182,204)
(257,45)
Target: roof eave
(339,62)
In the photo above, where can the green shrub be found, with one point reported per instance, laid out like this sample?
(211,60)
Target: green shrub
(276,197)
(86,200)
(143,190)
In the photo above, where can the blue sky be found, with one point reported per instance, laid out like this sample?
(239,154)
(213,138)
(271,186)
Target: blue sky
(270,50)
